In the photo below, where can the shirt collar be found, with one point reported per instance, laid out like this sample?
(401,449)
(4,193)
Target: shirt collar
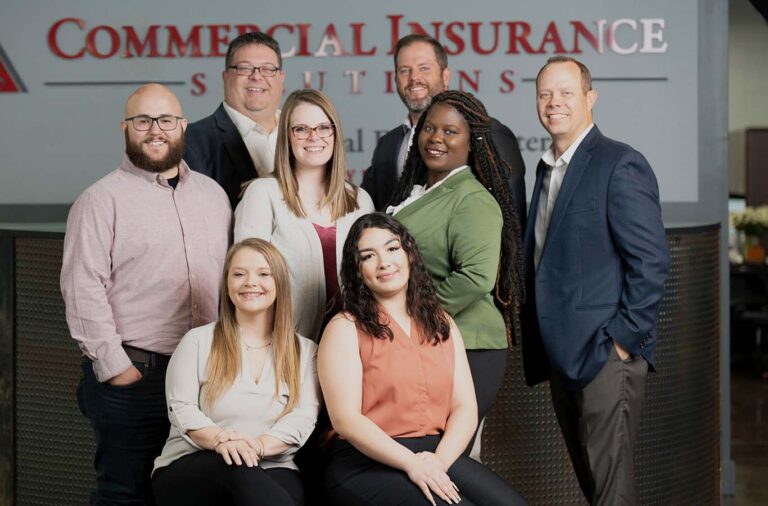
(419,191)
(243,123)
(407,125)
(151,177)
(549,155)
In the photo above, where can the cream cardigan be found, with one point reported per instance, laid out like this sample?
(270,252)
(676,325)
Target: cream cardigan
(262,213)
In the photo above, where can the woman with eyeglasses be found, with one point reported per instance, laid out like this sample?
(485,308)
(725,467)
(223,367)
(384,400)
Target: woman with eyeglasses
(242,394)
(306,210)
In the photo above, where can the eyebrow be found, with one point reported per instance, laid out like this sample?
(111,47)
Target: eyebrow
(443,125)
(394,239)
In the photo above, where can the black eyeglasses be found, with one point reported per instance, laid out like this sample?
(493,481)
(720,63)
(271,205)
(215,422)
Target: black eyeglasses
(323,130)
(142,122)
(242,69)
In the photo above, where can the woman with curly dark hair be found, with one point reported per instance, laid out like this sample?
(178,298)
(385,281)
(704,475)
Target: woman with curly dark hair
(397,384)
(454,199)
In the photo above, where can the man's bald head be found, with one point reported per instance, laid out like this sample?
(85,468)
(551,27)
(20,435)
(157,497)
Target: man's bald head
(150,142)
(154,96)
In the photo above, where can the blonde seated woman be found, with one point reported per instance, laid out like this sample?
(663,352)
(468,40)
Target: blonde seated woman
(397,384)
(307,208)
(242,394)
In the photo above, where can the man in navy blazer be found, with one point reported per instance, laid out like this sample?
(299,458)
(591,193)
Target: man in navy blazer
(597,259)
(237,142)
(421,72)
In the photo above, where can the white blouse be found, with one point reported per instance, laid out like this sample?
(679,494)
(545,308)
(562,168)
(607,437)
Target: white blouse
(247,406)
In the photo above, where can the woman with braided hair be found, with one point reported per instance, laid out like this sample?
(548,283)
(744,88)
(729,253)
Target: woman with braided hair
(453,197)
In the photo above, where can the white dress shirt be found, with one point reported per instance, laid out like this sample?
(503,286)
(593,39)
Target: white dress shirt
(260,143)
(405,145)
(550,188)
(419,191)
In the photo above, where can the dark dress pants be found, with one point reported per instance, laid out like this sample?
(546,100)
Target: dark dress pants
(487,368)
(600,423)
(131,426)
(353,479)
(204,479)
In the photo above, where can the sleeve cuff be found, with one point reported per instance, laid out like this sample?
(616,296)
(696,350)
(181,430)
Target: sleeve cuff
(628,339)
(112,364)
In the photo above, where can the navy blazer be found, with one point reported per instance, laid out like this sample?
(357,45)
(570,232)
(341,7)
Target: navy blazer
(380,180)
(602,268)
(213,146)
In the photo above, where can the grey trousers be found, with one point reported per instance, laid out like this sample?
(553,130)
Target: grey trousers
(600,423)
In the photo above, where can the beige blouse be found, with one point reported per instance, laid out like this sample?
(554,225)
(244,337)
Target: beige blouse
(246,406)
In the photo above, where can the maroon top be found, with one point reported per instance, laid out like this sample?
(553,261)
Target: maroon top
(333,302)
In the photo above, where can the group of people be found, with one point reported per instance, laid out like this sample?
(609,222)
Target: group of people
(332,344)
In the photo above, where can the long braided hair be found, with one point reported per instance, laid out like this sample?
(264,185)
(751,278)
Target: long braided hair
(493,173)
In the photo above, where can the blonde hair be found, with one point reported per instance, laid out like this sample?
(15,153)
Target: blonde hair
(342,198)
(225,357)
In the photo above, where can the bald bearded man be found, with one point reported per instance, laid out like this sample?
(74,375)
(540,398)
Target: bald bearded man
(143,254)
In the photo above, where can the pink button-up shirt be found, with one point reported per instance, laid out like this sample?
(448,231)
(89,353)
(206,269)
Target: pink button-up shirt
(142,262)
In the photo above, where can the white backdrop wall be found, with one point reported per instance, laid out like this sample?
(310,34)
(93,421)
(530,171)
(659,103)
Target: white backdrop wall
(78,60)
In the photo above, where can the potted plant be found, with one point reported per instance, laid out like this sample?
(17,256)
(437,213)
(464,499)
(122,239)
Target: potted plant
(753,223)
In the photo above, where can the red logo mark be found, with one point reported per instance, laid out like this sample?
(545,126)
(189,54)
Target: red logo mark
(9,79)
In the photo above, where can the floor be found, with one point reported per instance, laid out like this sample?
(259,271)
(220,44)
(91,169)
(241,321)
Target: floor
(749,438)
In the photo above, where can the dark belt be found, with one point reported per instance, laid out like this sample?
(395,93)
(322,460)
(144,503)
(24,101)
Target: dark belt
(148,358)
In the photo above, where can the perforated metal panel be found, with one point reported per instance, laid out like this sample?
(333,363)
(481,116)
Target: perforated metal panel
(678,449)
(54,443)
(678,452)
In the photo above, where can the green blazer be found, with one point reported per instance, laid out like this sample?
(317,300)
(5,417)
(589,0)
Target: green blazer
(457,227)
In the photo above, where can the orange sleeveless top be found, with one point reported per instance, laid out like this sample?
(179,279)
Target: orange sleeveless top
(407,384)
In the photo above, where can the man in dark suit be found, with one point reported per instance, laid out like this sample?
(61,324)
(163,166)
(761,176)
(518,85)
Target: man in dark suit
(421,72)
(237,142)
(597,259)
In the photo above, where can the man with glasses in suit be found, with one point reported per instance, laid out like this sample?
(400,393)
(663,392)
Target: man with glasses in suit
(237,142)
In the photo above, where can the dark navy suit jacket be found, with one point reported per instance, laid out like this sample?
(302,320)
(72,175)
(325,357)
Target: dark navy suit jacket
(214,147)
(602,268)
(380,180)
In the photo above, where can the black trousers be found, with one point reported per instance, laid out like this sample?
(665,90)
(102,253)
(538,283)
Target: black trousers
(204,479)
(131,426)
(487,367)
(354,479)
(600,423)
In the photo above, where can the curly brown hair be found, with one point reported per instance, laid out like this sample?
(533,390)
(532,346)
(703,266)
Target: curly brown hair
(493,173)
(421,299)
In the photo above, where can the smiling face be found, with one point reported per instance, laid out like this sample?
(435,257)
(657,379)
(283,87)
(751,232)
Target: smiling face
(154,150)
(250,283)
(314,151)
(564,106)
(255,96)
(443,141)
(419,76)
(384,265)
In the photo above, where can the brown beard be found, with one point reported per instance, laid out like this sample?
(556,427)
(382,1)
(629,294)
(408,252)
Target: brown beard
(137,156)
